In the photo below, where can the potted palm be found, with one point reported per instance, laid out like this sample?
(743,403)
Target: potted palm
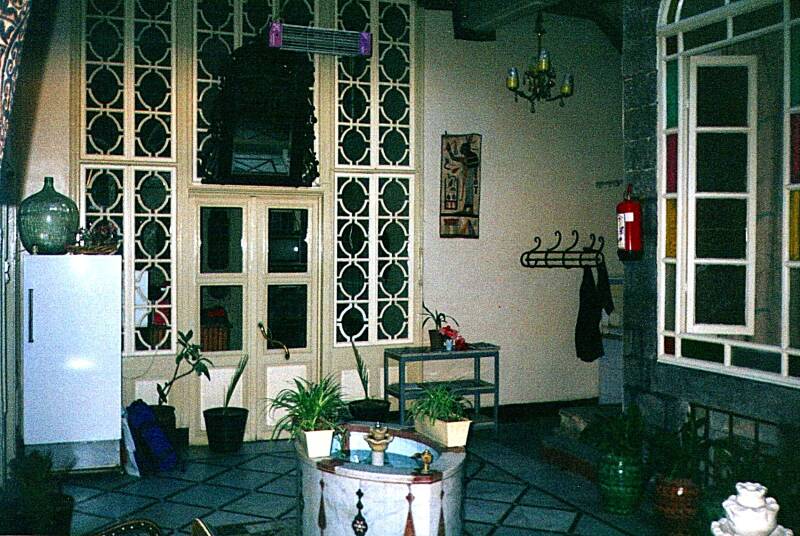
(675,458)
(225,426)
(366,409)
(439,320)
(33,501)
(440,413)
(188,361)
(312,411)
(620,440)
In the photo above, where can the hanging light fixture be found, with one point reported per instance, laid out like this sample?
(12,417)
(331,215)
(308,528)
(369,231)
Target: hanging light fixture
(539,79)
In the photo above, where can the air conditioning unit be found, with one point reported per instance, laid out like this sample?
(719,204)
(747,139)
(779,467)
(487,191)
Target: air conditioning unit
(319,40)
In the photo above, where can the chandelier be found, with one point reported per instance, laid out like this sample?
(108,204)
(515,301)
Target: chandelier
(539,79)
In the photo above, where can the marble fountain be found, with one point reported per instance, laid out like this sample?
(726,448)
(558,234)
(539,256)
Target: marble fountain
(382,481)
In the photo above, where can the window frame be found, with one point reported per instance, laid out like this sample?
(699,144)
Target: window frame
(671,50)
(691,196)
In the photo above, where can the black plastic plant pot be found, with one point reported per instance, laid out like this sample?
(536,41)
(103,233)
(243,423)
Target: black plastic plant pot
(369,410)
(165,418)
(225,428)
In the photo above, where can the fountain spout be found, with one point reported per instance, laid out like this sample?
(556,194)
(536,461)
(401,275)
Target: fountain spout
(378,439)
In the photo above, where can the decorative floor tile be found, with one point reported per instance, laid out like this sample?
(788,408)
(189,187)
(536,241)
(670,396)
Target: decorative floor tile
(484,511)
(495,474)
(262,504)
(114,505)
(494,491)
(222,518)
(591,526)
(540,518)
(195,471)
(537,497)
(515,531)
(240,478)
(270,464)
(155,487)
(208,495)
(477,529)
(103,481)
(285,485)
(173,516)
(85,523)
(80,493)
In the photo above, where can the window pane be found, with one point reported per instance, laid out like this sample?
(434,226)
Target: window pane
(794,225)
(795,148)
(721,162)
(722,96)
(705,35)
(669,345)
(673,8)
(287,311)
(669,297)
(795,8)
(760,18)
(795,65)
(288,240)
(221,240)
(672,94)
(672,228)
(721,229)
(672,163)
(719,295)
(672,44)
(695,7)
(794,308)
(704,351)
(794,366)
(754,359)
(220,318)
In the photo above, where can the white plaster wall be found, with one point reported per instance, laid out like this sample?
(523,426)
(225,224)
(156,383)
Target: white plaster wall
(538,175)
(49,127)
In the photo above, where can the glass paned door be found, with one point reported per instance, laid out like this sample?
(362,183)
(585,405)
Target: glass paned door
(257,263)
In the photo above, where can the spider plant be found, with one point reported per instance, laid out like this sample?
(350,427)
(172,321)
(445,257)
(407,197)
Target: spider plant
(309,406)
(438,318)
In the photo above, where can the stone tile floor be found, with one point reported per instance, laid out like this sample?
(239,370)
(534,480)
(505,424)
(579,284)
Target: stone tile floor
(508,492)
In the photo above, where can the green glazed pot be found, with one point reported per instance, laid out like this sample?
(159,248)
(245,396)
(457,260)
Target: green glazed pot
(47,221)
(620,479)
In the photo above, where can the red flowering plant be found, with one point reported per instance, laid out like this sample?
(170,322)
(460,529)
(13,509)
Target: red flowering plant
(458,341)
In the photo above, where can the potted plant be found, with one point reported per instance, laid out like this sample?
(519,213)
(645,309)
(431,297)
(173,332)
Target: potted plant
(440,413)
(439,320)
(225,426)
(620,440)
(366,409)
(187,361)
(312,411)
(675,458)
(33,501)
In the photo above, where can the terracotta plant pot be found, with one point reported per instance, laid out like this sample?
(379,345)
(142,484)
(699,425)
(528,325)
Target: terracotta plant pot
(370,410)
(676,500)
(620,479)
(225,428)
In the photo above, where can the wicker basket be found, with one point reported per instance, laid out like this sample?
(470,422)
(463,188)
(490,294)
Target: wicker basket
(105,249)
(214,338)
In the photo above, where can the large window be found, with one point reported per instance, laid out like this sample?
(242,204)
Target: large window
(729,244)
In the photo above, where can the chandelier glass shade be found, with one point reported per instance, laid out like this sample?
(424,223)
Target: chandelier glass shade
(538,82)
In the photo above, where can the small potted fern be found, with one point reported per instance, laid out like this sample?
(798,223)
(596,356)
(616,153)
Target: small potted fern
(225,426)
(366,409)
(310,414)
(440,413)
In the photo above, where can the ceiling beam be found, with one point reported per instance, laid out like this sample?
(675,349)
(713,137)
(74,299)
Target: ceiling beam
(489,15)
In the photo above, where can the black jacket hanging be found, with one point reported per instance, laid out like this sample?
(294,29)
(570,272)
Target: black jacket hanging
(593,299)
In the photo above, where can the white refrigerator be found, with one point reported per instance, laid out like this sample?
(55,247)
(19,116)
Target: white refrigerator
(71,347)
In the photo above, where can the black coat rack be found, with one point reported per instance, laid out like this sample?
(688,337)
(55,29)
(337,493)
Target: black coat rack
(587,256)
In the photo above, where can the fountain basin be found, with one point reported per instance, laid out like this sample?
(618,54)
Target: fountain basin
(337,491)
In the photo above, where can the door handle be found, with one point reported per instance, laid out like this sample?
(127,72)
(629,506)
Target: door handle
(268,337)
(30,315)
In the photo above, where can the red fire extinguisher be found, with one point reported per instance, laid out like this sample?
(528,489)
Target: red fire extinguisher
(629,228)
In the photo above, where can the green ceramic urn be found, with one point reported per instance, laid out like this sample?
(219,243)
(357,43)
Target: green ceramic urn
(47,221)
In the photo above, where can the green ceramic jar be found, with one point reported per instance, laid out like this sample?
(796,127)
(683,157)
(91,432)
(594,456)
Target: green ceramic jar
(47,221)
(621,480)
